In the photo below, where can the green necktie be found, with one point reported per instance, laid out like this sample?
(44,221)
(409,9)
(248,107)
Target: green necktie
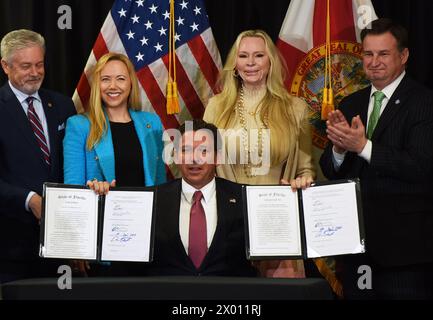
(375,114)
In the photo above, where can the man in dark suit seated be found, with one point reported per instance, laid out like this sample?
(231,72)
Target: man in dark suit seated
(383,134)
(32,122)
(199,221)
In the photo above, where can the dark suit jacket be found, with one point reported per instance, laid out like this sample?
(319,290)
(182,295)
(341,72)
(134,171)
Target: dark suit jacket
(397,193)
(22,168)
(226,255)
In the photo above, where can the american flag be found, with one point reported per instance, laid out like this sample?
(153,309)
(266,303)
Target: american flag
(140,29)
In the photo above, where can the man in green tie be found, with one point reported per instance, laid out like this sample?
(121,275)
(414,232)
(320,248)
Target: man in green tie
(392,155)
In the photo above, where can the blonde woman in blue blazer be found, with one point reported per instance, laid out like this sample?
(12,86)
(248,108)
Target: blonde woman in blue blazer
(114,143)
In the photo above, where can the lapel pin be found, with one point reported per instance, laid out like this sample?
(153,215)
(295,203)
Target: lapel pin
(50,104)
(397,101)
(148,126)
(232,200)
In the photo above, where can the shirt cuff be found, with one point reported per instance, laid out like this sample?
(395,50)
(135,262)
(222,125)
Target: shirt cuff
(338,159)
(366,152)
(30,195)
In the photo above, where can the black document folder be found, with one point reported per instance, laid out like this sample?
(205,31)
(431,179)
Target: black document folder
(79,224)
(323,220)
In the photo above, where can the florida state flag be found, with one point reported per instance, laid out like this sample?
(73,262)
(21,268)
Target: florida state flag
(319,40)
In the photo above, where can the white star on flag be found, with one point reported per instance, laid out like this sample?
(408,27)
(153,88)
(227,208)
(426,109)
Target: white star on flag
(194,26)
(179,21)
(135,19)
(197,10)
(144,41)
(122,12)
(158,47)
(166,15)
(139,56)
(184,5)
(153,9)
(162,31)
(148,24)
(130,35)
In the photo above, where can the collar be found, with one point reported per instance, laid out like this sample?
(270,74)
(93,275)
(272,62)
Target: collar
(389,89)
(208,190)
(21,96)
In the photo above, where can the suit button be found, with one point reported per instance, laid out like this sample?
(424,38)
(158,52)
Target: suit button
(96,158)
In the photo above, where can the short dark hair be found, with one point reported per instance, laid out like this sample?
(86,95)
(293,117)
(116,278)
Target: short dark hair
(384,25)
(198,124)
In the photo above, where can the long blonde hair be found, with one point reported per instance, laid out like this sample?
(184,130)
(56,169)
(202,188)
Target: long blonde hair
(95,114)
(277,102)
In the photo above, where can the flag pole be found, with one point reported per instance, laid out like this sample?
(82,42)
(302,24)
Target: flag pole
(328,93)
(172,95)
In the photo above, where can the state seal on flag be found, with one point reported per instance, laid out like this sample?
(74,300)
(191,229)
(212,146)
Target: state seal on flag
(309,79)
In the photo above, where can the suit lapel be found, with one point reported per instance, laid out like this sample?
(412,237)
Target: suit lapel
(359,107)
(14,108)
(171,214)
(362,110)
(395,104)
(105,152)
(142,129)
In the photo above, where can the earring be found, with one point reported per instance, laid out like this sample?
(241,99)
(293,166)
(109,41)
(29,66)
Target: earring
(235,73)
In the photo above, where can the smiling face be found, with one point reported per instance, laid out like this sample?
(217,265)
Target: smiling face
(252,62)
(25,69)
(383,61)
(115,84)
(196,158)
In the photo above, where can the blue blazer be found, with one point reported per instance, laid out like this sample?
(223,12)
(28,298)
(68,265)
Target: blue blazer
(81,164)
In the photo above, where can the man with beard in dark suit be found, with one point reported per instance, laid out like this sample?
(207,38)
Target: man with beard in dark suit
(199,221)
(32,123)
(383,134)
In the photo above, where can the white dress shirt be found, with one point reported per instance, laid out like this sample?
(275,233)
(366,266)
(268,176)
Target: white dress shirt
(37,104)
(366,152)
(210,208)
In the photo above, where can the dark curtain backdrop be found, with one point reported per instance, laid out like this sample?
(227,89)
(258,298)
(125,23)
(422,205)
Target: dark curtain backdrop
(68,50)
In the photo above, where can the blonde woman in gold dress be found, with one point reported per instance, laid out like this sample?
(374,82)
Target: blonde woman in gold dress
(271,132)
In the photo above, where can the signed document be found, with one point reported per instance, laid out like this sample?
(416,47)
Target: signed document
(331,220)
(127,226)
(79,224)
(70,224)
(273,221)
(323,220)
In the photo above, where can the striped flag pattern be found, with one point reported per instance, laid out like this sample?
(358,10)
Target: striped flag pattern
(140,29)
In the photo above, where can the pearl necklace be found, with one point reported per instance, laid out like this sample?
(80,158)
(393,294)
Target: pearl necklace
(247,165)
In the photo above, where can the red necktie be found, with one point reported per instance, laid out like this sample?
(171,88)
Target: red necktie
(197,246)
(38,130)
